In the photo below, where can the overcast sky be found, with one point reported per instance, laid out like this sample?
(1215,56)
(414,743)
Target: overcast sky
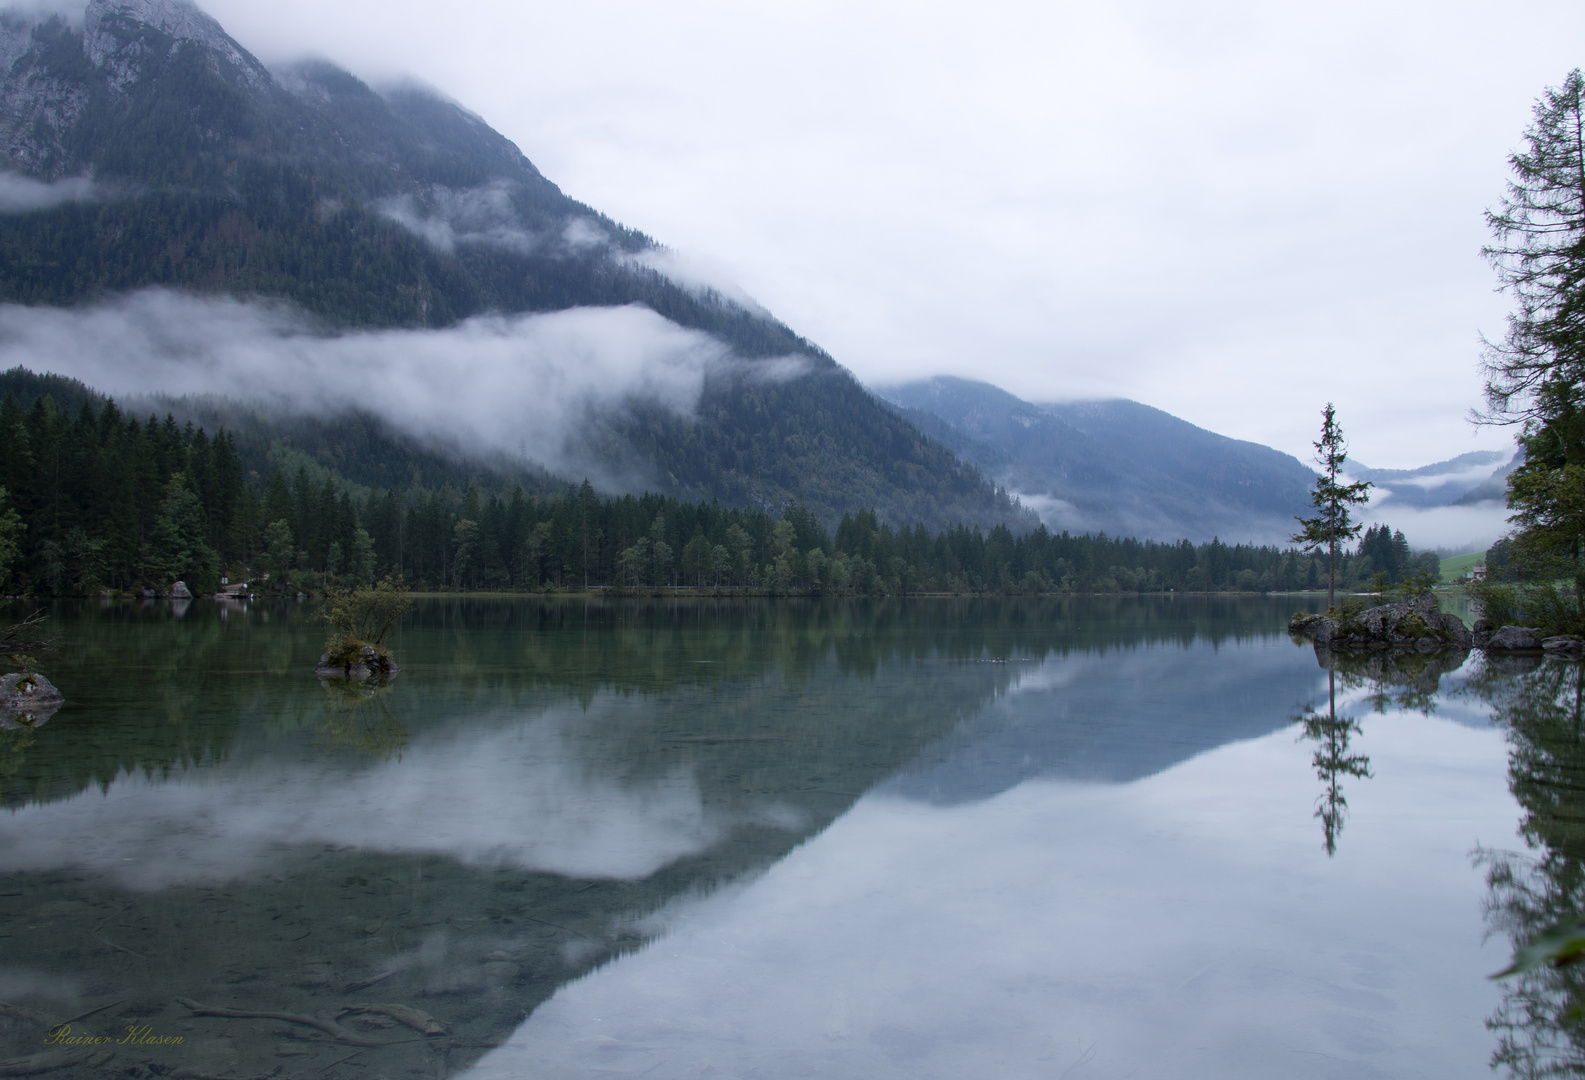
(1233,210)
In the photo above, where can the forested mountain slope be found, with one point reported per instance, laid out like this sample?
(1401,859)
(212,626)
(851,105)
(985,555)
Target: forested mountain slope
(1116,466)
(146,148)
(1480,476)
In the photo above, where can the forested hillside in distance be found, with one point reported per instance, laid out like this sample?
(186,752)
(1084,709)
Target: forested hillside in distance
(100,501)
(820,439)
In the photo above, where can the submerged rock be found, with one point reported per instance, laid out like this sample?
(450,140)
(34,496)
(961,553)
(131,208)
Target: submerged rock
(27,700)
(1418,624)
(369,665)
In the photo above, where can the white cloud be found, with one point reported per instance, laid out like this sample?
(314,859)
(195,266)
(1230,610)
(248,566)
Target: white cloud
(32,11)
(20,194)
(481,215)
(700,275)
(1468,477)
(581,234)
(1464,528)
(525,384)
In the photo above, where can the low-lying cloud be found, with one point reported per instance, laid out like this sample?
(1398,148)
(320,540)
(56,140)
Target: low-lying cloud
(21,194)
(482,215)
(1450,528)
(701,276)
(1467,477)
(524,385)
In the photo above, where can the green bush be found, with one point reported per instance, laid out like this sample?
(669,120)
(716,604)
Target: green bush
(1547,607)
(363,617)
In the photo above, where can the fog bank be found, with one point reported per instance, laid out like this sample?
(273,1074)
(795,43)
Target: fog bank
(527,385)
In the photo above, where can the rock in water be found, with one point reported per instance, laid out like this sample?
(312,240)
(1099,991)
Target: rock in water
(27,700)
(1417,624)
(179,591)
(370,664)
(1514,639)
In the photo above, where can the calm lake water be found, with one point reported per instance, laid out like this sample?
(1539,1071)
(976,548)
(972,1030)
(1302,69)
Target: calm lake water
(1088,838)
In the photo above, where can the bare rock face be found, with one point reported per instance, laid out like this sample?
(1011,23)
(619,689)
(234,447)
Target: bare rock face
(46,86)
(1418,624)
(1564,645)
(370,665)
(27,700)
(1514,639)
(114,41)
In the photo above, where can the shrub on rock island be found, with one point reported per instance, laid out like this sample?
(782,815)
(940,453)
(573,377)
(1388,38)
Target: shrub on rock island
(363,618)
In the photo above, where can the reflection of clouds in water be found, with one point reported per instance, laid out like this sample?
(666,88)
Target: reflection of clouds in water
(1188,924)
(486,796)
(18,982)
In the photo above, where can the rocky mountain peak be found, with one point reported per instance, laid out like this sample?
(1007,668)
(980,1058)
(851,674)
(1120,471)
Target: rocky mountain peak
(115,39)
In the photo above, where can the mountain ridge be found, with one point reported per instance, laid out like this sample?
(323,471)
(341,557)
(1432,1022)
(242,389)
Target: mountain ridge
(152,150)
(1114,466)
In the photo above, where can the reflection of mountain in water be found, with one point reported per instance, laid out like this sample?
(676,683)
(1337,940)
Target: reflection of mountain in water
(203,822)
(1116,717)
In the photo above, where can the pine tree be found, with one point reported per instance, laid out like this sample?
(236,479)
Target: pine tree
(1535,377)
(1331,497)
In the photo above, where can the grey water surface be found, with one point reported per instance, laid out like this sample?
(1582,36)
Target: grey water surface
(925,838)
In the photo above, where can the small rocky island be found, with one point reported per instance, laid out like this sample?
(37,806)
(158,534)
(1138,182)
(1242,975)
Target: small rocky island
(27,699)
(365,663)
(359,621)
(1421,625)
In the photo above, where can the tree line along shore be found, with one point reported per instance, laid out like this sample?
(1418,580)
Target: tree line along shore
(104,502)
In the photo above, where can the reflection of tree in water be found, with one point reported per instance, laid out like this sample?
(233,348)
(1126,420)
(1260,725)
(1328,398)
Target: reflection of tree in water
(14,742)
(1539,1025)
(358,717)
(1331,734)
(1394,680)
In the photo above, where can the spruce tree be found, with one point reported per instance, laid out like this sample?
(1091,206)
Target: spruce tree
(1331,497)
(1535,377)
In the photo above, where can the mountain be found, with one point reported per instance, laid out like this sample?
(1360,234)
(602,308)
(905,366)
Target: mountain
(1480,476)
(148,149)
(1114,466)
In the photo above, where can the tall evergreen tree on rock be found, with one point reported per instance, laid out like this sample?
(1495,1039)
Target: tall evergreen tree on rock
(1331,497)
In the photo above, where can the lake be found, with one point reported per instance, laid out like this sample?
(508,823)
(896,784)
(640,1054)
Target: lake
(1097,837)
